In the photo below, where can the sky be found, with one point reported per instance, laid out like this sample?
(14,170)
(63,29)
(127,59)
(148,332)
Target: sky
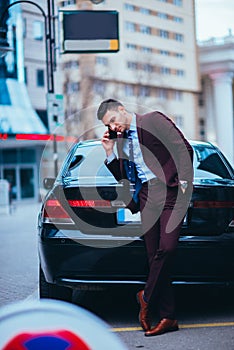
(214,18)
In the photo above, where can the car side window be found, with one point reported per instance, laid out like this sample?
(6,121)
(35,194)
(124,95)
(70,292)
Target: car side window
(209,164)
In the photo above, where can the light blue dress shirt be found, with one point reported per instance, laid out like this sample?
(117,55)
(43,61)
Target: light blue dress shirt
(143,172)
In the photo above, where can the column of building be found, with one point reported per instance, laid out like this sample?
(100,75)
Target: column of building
(223,101)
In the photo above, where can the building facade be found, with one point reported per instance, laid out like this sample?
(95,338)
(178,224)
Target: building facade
(155,68)
(19,159)
(216,58)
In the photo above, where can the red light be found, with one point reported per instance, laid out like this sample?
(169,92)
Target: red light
(3,136)
(213,204)
(39,137)
(55,213)
(89,203)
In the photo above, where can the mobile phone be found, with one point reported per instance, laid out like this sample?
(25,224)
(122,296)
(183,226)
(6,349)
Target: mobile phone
(112,134)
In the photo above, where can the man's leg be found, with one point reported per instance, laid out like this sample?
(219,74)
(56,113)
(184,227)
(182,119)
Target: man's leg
(159,255)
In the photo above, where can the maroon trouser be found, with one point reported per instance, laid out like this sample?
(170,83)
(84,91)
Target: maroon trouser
(162,213)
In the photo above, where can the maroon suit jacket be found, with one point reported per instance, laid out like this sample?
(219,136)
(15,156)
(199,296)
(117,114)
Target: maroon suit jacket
(165,150)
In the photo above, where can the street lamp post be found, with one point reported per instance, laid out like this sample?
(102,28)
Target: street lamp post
(49,21)
(49,36)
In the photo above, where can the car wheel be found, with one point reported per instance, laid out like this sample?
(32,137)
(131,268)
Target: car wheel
(53,291)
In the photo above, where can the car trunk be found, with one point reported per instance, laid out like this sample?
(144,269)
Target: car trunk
(99,209)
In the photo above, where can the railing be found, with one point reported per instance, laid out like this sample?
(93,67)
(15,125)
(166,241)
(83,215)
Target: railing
(217,41)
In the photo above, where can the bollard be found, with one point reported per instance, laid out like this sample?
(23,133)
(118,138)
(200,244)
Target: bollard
(4,197)
(52,324)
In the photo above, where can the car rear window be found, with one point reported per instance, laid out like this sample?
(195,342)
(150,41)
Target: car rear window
(88,161)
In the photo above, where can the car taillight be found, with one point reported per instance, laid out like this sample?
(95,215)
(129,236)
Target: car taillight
(55,213)
(213,204)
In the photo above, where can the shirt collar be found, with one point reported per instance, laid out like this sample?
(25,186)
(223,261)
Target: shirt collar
(133,123)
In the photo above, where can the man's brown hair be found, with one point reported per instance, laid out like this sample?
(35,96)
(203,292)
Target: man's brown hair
(107,105)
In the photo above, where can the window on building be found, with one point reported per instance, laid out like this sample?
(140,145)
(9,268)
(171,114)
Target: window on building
(27,155)
(178,95)
(165,70)
(178,19)
(144,91)
(24,27)
(68,2)
(178,37)
(131,46)
(38,30)
(180,72)
(130,26)
(132,65)
(25,75)
(178,2)
(164,33)
(165,52)
(145,29)
(162,15)
(146,67)
(40,78)
(72,87)
(129,7)
(163,94)
(102,60)
(202,128)
(129,91)
(71,65)
(99,87)
(9,156)
(144,11)
(179,121)
(146,49)
(179,55)
(201,98)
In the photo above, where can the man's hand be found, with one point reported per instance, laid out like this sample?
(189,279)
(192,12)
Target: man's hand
(107,144)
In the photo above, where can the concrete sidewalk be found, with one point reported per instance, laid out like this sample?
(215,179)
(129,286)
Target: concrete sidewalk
(21,213)
(19,252)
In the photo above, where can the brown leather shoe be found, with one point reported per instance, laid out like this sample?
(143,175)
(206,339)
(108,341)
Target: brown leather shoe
(144,312)
(164,326)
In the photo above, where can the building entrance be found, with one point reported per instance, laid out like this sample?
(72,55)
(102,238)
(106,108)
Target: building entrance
(22,181)
(19,167)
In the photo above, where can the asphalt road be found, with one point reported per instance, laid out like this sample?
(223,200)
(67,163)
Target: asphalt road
(206,315)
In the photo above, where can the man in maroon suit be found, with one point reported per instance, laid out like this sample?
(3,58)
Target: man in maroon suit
(162,175)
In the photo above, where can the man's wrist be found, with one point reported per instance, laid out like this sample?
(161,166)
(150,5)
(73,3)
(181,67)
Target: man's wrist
(110,157)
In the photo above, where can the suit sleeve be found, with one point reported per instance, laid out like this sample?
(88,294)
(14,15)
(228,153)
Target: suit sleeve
(114,167)
(175,143)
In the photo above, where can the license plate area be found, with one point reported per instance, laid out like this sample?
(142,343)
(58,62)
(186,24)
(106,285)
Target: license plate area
(124,216)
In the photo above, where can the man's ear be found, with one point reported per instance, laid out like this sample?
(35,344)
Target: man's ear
(121,109)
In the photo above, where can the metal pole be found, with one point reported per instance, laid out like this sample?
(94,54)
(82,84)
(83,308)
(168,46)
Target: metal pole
(51,55)
(50,39)
(55,155)
(55,151)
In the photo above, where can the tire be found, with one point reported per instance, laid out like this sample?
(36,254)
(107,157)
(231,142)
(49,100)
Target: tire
(53,291)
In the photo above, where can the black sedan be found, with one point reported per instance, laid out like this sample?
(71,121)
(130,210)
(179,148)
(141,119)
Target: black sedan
(89,240)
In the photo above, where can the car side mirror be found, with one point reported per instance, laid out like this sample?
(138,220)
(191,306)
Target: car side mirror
(48,183)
